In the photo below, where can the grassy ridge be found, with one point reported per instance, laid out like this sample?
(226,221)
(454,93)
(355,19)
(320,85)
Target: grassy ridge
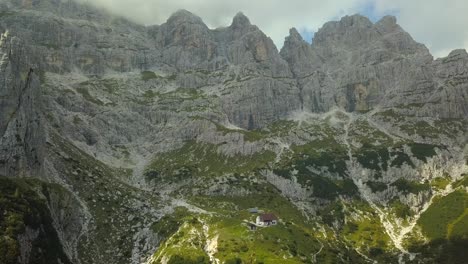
(294,240)
(447,217)
(198,160)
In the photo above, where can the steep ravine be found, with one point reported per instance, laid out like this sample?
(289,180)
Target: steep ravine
(396,230)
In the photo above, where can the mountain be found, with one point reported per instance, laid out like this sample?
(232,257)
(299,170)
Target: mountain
(124,143)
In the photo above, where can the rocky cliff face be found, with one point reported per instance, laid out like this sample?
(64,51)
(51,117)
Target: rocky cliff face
(21,127)
(352,64)
(123,124)
(360,66)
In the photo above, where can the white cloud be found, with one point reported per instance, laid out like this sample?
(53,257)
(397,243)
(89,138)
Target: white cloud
(441,25)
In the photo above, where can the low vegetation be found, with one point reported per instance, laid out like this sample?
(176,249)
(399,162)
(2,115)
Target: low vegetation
(23,210)
(88,97)
(447,217)
(406,186)
(148,75)
(201,160)
(423,151)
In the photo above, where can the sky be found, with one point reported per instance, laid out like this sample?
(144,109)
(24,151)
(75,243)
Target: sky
(442,25)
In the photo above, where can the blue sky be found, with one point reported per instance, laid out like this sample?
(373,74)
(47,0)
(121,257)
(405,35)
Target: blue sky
(369,10)
(307,35)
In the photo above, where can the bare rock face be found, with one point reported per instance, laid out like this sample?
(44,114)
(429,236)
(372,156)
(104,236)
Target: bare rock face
(259,72)
(356,65)
(21,130)
(300,55)
(352,64)
(451,96)
(63,36)
(249,61)
(186,41)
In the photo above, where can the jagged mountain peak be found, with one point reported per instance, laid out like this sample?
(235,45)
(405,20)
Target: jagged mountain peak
(293,44)
(388,20)
(336,32)
(359,33)
(347,22)
(184,16)
(461,53)
(240,21)
(356,20)
(294,35)
(349,30)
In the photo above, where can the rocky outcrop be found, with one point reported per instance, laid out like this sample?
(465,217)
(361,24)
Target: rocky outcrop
(63,36)
(251,66)
(450,100)
(186,42)
(21,128)
(356,65)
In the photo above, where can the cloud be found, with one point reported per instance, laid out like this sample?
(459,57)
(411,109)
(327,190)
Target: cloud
(441,25)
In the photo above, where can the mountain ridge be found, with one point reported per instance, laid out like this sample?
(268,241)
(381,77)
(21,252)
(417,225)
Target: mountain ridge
(198,48)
